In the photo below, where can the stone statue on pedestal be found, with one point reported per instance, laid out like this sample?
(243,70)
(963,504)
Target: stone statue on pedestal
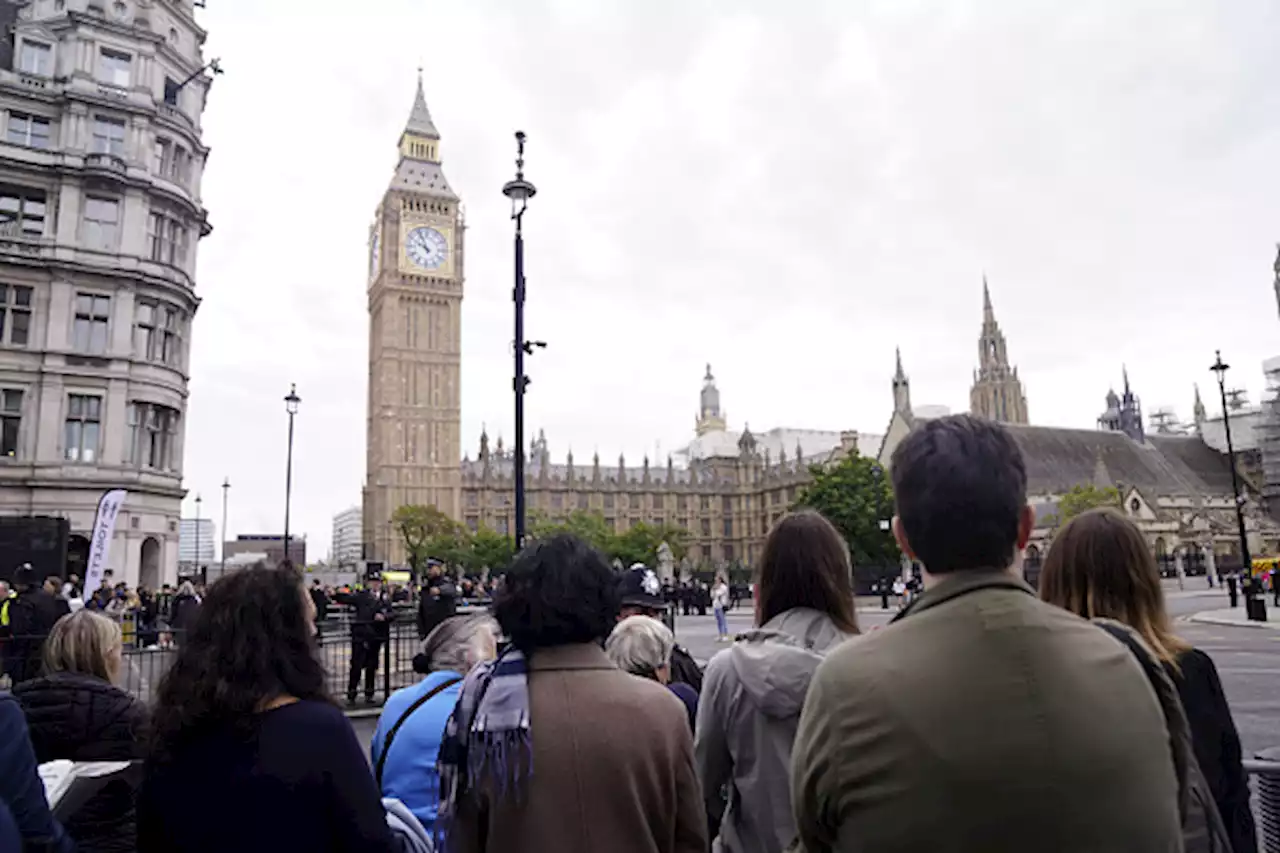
(666,563)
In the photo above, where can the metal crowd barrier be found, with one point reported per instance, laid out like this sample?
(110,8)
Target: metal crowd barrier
(1264,771)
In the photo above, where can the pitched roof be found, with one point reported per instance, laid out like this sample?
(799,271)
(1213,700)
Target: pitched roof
(1058,459)
(423,177)
(420,123)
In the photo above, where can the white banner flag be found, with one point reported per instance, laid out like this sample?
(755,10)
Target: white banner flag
(104,526)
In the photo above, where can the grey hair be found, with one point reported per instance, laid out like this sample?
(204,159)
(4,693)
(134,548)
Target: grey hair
(454,644)
(640,645)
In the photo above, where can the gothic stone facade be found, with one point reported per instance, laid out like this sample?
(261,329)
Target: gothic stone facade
(727,503)
(416,266)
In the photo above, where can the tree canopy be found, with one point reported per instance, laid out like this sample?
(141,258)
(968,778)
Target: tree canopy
(1082,498)
(638,544)
(855,495)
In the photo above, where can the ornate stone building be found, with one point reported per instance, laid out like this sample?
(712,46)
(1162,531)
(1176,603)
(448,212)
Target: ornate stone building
(100,217)
(728,489)
(997,391)
(416,264)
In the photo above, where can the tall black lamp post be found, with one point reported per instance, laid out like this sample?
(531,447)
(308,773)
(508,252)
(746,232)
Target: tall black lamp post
(291,406)
(226,486)
(1219,368)
(520,191)
(197,554)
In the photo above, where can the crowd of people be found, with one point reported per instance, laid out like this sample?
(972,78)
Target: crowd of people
(985,718)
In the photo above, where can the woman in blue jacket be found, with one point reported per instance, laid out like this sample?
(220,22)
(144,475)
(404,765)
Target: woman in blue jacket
(407,740)
(21,791)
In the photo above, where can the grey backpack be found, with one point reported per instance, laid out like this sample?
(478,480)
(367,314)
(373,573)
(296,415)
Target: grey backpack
(1202,827)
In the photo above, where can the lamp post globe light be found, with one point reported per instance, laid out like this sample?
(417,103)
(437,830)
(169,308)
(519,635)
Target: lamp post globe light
(1220,369)
(520,191)
(291,402)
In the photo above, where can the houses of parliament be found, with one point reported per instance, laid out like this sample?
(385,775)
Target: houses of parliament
(726,487)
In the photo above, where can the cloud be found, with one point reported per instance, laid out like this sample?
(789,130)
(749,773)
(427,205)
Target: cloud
(787,194)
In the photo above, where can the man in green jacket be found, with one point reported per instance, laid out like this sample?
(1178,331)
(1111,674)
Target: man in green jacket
(982,720)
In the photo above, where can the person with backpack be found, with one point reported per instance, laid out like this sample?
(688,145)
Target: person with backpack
(1099,566)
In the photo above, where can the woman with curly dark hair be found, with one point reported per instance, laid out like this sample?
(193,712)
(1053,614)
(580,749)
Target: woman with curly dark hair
(613,753)
(242,723)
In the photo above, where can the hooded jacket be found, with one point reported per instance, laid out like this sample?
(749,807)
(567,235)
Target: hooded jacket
(752,695)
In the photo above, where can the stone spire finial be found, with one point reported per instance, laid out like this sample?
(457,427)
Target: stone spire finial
(420,123)
(988,313)
(901,386)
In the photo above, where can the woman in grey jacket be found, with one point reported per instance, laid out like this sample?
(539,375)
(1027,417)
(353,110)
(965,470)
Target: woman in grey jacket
(753,692)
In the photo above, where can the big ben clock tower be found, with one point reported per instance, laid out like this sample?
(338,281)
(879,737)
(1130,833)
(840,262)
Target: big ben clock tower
(413,442)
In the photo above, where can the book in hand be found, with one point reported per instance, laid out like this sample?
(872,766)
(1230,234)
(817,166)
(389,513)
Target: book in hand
(68,785)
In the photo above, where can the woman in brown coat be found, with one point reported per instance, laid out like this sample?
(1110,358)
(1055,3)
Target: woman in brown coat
(551,747)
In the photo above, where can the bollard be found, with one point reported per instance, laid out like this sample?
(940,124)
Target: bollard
(1267,772)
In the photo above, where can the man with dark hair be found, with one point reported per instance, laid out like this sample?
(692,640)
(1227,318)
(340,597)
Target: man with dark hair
(612,753)
(979,713)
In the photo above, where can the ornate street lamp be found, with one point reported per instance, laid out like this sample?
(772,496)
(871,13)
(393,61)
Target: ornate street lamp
(520,191)
(1220,369)
(291,406)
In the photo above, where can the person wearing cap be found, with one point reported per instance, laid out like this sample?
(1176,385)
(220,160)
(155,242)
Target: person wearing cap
(639,593)
(32,613)
(370,627)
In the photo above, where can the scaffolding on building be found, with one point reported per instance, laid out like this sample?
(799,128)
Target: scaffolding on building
(1270,443)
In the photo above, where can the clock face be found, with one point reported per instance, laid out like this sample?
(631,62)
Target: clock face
(426,247)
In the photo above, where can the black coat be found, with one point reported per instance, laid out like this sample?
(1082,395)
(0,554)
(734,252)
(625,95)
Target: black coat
(1217,745)
(82,718)
(31,616)
(684,669)
(434,609)
(365,606)
(182,617)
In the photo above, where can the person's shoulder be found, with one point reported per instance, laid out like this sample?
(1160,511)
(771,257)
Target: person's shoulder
(1195,666)
(307,717)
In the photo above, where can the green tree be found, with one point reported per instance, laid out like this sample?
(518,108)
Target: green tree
(490,550)
(425,529)
(1082,498)
(587,526)
(855,496)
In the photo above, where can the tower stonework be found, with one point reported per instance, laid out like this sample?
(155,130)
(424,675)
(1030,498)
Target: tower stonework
(413,439)
(997,391)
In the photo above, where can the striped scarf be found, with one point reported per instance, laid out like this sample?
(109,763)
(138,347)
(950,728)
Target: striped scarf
(488,731)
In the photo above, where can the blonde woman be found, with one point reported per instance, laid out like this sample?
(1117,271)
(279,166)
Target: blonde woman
(1100,566)
(75,712)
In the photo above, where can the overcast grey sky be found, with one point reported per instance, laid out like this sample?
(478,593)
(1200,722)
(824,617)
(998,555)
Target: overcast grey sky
(786,194)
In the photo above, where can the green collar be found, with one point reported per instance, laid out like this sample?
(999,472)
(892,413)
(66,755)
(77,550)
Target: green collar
(962,583)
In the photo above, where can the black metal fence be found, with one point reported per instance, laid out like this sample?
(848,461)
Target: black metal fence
(385,649)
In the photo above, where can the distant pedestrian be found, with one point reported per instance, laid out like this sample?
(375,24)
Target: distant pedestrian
(32,613)
(371,614)
(719,604)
